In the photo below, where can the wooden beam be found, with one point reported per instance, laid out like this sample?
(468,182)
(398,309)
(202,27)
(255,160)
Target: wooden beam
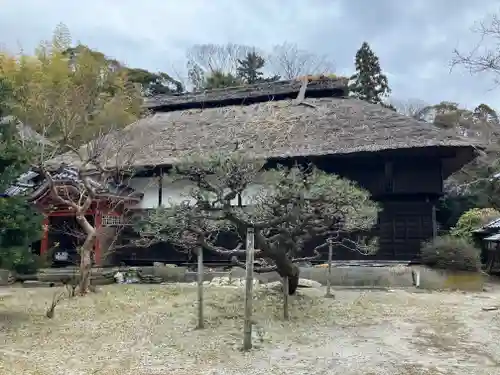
(68,213)
(160,188)
(434,222)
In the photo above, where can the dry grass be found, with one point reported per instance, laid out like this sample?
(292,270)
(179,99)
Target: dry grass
(140,329)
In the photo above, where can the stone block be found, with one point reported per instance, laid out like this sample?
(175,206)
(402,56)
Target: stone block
(170,274)
(4,277)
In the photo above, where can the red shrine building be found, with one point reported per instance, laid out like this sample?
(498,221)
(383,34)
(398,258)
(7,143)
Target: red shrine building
(62,235)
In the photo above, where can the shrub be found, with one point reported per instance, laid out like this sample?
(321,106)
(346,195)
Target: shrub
(20,260)
(451,253)
(473,219)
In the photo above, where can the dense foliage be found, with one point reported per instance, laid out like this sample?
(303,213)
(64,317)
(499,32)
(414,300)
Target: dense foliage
(20,224)
(451,253)
(150,83)
(69,95)
(473,219)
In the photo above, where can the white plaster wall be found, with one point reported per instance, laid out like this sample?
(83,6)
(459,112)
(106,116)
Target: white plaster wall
(178,191)
(254,190)
(174,193)
(148,186)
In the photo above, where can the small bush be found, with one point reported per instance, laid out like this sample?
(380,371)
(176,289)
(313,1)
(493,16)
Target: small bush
(20,260)
(451,253)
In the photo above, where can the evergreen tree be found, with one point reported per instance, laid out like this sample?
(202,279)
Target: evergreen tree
(249,68)
(368,83)
(20,224)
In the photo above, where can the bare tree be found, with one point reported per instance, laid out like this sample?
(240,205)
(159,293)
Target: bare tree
(78,187)
(411,107)
(214,65)
(289,61)
(294,208)
(213,58)
(485,56)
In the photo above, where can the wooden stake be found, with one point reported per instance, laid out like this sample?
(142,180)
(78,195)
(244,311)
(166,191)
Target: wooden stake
(247,328)
(329,279)
(200,289)
(285,298)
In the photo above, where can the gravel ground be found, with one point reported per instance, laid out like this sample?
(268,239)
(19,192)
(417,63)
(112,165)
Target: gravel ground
(146,330)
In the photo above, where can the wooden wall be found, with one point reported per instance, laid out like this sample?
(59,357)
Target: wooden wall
(403,226)
(408,189)
(396,176)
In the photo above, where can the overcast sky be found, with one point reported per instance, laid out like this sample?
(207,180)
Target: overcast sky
(413,39)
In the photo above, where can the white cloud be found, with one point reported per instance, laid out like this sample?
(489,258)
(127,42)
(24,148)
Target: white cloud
(413,40)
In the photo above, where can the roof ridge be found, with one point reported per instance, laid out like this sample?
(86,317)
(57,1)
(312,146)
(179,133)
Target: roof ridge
(321,86)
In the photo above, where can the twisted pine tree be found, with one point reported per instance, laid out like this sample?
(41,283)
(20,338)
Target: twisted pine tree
(368,83)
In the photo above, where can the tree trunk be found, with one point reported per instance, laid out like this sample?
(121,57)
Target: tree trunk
(86,254)
(85,269)
(287,269)
(285,266)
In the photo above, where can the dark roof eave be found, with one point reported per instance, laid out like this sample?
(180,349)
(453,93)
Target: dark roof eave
(284,158)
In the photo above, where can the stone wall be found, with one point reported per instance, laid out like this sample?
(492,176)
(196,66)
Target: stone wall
(398,276)
(353,276)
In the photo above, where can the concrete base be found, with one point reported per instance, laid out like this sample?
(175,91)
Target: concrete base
(4,277)
(435,279)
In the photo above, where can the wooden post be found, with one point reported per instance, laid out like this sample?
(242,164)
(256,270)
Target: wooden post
(434,222)
(200,289)
(247,327)
(285,298)
(329,278)
(44,243)
(97,245)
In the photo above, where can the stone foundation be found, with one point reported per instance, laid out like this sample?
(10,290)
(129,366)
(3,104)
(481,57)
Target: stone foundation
(355,276)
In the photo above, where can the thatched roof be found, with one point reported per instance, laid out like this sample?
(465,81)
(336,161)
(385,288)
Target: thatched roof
(272,128)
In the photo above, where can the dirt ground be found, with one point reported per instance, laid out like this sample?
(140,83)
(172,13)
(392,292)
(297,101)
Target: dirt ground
(146,330)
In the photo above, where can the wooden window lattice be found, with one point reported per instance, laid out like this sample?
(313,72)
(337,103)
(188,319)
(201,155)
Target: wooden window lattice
(111,221)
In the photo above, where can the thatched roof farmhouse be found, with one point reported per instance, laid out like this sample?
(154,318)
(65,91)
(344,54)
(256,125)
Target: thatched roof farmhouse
(400,160)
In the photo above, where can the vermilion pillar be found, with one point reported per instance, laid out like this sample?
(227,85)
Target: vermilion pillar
(44,243)
(98,226)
